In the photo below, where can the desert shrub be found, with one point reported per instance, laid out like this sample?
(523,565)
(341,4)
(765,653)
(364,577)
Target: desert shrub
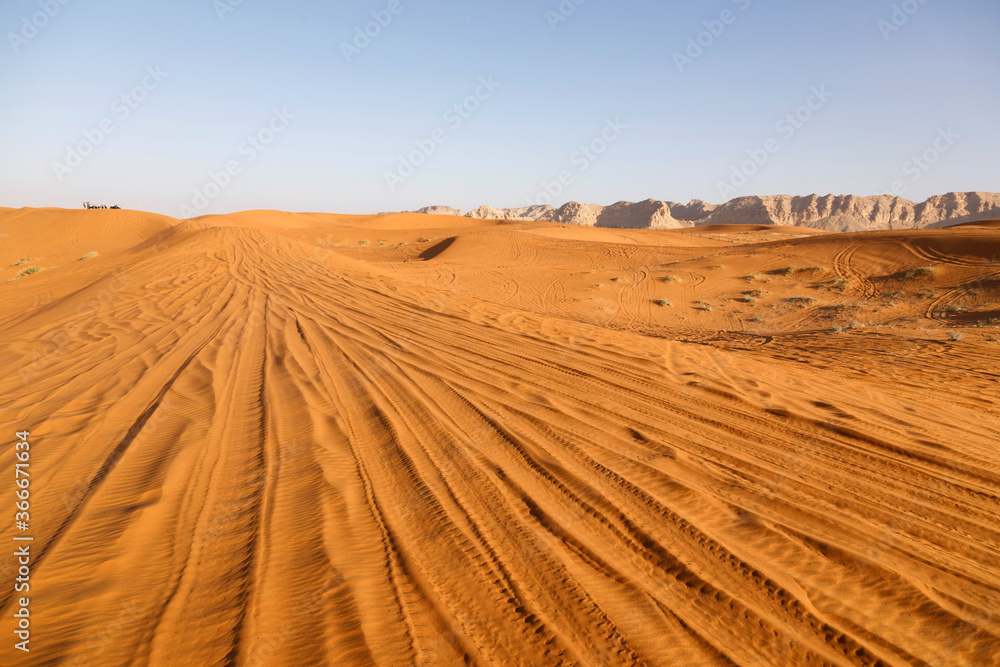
(801,300)
(671,279)
(918,273)
(663,302)
(28,271)
(955,336)
(837,330)
(839,284)
(89,255)
(23,260)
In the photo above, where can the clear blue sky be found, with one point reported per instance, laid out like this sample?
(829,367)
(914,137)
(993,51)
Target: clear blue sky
(559,85)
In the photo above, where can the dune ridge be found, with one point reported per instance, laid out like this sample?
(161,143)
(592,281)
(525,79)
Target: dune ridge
(296,439)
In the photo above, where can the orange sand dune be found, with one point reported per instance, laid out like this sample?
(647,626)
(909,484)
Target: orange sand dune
(979,223)
(295,439)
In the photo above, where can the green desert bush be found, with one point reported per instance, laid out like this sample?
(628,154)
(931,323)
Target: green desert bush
(28,271)
(918,273)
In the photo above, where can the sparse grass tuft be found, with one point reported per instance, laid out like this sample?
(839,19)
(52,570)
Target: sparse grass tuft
(895,294)
(663,302)
(787,271)
(28,271)
(23,260)
(839,284)
(919,272)
(363,242)
(423,240)
(671,279)
(801,300)
(837,330)
(955,336)
(89,255)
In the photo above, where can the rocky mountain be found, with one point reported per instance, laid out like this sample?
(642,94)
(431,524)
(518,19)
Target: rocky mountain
(840,213)
(440,210)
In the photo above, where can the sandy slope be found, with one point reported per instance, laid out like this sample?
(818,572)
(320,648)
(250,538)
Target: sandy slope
(311,439)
